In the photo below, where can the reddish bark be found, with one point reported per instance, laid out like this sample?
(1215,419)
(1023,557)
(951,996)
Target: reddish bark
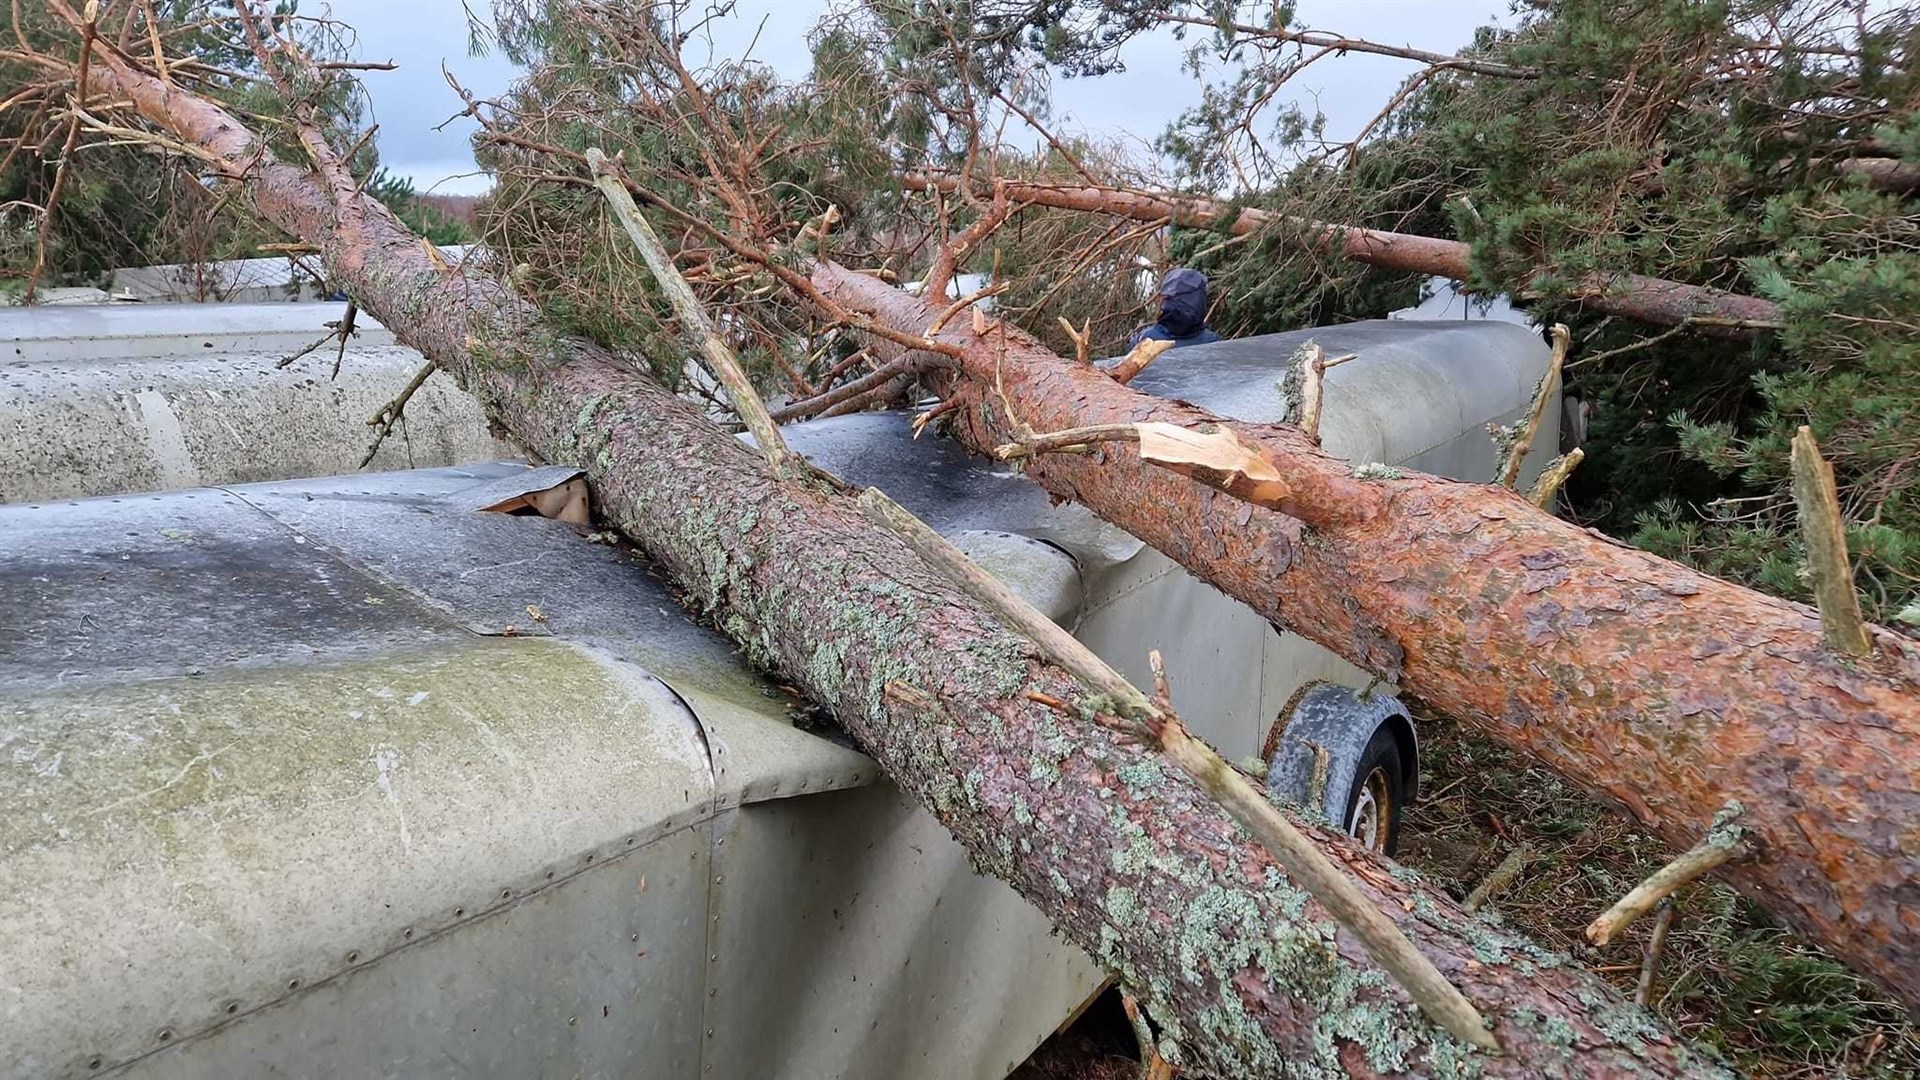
(1664,691)
(1128,858)
(1636,296)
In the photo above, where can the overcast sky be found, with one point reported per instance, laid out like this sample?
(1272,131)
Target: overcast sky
(422,35)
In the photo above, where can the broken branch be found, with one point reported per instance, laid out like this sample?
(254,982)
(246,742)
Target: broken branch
(1724,843)
(1137,359)
(1542,395)
(1825,535)
(720,359)
(1553,477)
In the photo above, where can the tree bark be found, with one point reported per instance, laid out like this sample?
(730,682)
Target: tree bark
(1666,692)
(1246,975)
(1636,296)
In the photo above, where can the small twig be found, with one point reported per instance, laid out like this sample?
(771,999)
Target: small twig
(1137,359)
(720,359)
(1656,944)
(1725,842)
(1306,864)
(1081,339)
(383,421)
(940,321)
(1152,1065)
(1501,877)
(345,329)
(1824,534)
(87,33)
(1523,442)
(339,328)
(1554,476)
(920,422)
(1071,440)
(1635,347)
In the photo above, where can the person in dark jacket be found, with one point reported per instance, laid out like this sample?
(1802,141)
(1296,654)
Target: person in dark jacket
(1183,311)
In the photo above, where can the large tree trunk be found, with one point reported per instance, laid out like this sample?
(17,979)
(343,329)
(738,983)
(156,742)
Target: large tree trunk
(1635,296)
(1664,691)
(1129,859)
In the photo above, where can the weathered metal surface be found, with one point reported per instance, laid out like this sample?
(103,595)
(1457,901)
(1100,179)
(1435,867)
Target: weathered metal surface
(119,399)
(179,846)
(285,800)
(873,890)
(596,976)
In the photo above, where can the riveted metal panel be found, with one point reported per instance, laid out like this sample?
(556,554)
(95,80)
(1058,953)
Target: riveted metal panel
(178,847)
(852,939)
(598,976)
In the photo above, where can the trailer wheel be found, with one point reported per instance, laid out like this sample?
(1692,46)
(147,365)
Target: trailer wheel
(1378,798)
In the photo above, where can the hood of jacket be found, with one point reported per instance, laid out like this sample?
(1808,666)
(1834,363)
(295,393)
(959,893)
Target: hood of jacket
(1183,302)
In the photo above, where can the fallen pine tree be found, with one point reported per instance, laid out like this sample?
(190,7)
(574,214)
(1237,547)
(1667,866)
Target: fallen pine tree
(1666,692)
(1636,296)
(1678,697)
(1245,974)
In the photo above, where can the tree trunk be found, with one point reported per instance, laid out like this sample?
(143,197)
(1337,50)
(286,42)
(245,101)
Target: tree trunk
(1636,296)
(1664,691)
(1244,973)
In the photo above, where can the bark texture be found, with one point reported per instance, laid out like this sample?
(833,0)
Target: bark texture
(1666,692)
(1635,296)
(1245,974)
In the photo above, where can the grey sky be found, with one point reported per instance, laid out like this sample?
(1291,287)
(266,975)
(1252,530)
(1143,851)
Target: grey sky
(421,35)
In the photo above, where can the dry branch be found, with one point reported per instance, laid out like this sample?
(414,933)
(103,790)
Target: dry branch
(1724,843)
(720,359)
(1137,359)
(1553,477)
(1543,395)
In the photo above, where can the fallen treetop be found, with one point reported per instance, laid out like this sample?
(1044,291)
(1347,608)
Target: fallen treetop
(1636,296)
(1245,975)
(1666,692)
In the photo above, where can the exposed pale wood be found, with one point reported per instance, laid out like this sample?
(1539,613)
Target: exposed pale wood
(1542,397)
(1142,354)
(1824,533)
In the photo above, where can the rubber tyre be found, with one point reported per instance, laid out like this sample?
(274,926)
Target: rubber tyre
(1380,781)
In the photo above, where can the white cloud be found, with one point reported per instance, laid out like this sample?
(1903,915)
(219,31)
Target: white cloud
(421,35)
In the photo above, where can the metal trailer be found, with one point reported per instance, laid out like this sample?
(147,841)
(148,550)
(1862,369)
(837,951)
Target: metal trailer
(288,797)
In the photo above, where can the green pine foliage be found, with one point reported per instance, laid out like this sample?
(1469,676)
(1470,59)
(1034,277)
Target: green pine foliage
(1714,142)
